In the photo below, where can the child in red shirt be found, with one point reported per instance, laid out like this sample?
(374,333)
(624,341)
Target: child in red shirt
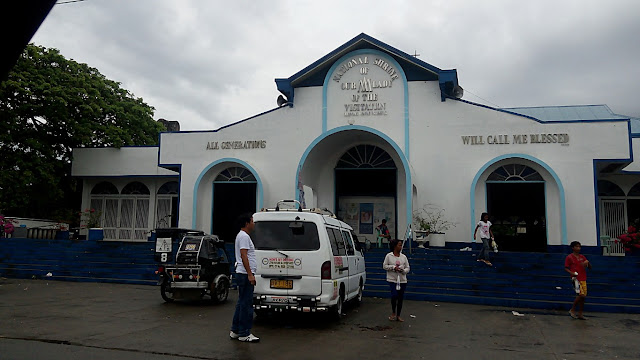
(576,265)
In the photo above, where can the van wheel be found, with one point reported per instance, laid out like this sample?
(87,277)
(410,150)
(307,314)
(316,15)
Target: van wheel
(337,309)
(359,297)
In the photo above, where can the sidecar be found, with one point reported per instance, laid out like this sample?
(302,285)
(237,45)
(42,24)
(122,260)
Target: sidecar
(201,269)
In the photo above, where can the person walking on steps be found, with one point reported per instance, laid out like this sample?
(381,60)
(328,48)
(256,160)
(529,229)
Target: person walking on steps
(397,266)
(246,266)
(576,265)
(486,235)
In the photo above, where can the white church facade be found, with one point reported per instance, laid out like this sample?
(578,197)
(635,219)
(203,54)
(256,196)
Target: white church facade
(370,133)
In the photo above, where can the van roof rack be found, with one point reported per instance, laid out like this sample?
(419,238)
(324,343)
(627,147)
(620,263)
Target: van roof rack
(299,208)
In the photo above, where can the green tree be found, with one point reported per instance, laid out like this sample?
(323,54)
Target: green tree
(48,106)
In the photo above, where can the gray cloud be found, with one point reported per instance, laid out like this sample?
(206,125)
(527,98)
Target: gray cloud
(211,63)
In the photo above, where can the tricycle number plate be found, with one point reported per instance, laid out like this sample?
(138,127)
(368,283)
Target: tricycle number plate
(281,284)
(163,245)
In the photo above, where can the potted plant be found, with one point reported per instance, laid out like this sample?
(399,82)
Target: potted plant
(6,226)
(423,228)
(630,240)
(91,219)
(431,219)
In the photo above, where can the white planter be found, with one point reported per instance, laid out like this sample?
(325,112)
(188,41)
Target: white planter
(436,240)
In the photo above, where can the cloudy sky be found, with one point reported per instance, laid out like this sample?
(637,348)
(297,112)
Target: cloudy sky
(208,63)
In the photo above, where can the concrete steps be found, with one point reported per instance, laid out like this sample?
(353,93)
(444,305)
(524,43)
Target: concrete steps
(534,280)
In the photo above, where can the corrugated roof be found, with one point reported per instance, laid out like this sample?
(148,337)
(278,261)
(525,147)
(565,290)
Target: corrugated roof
(575,113)
(569,113)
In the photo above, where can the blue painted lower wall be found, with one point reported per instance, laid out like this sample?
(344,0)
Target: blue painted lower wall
(534,280)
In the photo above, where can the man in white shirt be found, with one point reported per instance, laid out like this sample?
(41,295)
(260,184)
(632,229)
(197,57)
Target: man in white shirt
(246,266)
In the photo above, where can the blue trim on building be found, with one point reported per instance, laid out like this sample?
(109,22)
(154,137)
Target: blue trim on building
(563,210)
(124,176)
(403,158)
(260,194)
(363,37)
(595,178)
(542,121)
(223,127)
(397,66)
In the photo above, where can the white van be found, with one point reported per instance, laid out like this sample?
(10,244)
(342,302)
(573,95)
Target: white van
(307,261)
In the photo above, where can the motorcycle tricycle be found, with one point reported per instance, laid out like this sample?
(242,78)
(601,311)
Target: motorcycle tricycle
(201,269)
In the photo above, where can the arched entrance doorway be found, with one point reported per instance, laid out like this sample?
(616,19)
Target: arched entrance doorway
(366,189)
(328,174)
(516,203)
(234,193)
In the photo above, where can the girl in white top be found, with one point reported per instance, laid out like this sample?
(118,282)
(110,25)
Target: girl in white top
(397,266)
(486,235)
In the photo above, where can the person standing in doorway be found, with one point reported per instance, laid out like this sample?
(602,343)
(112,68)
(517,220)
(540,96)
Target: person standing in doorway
(397,266)
(246,266)
(486,235)
(576,265)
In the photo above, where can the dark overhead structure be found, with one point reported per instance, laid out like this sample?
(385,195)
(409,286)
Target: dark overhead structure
(19,21)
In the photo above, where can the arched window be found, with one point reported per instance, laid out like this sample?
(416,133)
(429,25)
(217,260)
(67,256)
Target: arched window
(365,157)
(167,205)
(133,222)
(635,190)
(607,188)
(135,188)
(104,188)
(515,172)
(235,174)
(102,196)
(169,188)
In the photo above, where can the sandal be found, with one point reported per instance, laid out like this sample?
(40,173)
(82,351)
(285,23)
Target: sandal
(573,315)
(398,318)
(488,263)
(392,318)
(580,317)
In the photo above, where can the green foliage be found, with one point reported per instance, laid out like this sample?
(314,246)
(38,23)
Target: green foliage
(90,218)
(431,219)
(48,106)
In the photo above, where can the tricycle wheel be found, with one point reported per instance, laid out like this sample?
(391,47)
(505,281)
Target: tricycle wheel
(166,295)
(220,291)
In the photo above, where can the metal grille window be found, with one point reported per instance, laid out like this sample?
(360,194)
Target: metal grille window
(166,199)
(125,215)
(100,194)
(134,212)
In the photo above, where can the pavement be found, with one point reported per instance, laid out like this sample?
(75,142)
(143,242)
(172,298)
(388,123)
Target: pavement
(43,319)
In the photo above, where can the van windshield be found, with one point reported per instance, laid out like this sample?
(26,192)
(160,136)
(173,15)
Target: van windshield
(285,235)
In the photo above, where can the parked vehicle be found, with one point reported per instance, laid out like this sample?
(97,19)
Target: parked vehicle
(201,269)
(166,239)
(307,261)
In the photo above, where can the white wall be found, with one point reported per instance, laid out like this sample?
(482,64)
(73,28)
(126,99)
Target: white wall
(443,167)
(126,161)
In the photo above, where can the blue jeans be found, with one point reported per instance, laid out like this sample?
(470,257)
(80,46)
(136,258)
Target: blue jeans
(243,317)
(486,249)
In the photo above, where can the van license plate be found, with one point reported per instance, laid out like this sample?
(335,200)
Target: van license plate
(281,284)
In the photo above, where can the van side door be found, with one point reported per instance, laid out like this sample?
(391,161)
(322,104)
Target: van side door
(340,262)
(352,259)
